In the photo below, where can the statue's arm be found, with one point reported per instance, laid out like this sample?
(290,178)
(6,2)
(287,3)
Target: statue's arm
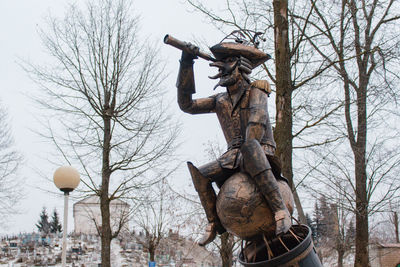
(186,87)
(258,105)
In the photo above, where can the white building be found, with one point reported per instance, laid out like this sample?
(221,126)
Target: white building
(87,215)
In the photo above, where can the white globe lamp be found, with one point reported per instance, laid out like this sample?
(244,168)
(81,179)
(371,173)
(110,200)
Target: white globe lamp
(66,178)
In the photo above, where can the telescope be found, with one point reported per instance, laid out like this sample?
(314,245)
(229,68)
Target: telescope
(184,46)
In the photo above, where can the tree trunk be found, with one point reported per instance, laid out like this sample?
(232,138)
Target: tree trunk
(362,238)
(396,225)
(284,89)
(152,253)
(359,152)
(358,147)
(340,258)
(226,249)
(362,234)
(106,234)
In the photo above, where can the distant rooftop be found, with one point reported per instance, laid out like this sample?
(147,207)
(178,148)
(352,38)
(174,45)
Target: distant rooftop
(96,200)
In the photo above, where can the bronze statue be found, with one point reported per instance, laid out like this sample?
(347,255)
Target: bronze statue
(243,115)
(254,201)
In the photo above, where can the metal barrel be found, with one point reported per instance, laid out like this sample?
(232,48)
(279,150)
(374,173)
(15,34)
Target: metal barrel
(301,254)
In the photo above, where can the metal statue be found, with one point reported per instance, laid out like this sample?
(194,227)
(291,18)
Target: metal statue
(243,114)
(254,197)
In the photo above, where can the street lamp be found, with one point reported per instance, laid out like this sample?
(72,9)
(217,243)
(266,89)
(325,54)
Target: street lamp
(66,178)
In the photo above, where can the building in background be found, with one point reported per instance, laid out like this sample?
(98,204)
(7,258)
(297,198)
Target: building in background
(384,255)
(87,215)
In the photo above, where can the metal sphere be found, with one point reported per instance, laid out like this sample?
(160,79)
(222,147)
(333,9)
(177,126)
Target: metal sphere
(243,210)
(66,178)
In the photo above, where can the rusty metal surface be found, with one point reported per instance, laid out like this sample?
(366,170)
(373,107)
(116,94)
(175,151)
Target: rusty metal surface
(293,249)
(233,119)
(243,210)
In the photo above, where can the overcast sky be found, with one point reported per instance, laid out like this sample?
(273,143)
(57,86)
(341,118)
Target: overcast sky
(19,23)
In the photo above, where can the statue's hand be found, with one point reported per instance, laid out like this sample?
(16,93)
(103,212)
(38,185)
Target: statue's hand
(189,53)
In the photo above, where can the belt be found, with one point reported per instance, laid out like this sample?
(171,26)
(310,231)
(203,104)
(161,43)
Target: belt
(237,142)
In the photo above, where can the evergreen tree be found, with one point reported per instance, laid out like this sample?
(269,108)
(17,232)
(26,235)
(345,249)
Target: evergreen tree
(325,220)
(55,225)
(43,224)
(317,231)
(351,234)
(312,226)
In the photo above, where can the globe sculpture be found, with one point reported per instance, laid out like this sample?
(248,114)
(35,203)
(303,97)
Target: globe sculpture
(243,210)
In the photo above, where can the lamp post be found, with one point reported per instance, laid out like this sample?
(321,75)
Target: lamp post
(66,178)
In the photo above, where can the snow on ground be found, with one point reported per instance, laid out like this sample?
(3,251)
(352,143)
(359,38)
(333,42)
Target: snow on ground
(116,259)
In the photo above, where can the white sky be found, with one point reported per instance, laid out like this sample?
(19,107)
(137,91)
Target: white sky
(19,22)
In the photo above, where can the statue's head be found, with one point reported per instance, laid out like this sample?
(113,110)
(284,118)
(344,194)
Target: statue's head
(235,60)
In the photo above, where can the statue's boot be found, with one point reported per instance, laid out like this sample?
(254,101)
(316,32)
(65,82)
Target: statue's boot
(268,186)
(208,200)
(256,164)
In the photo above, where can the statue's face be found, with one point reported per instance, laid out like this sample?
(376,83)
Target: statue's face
(228,72)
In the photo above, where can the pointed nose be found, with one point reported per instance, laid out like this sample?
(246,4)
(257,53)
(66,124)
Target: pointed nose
(217,64)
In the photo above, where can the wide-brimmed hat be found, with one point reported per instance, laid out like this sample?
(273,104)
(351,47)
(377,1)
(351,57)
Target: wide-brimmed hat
(228,49)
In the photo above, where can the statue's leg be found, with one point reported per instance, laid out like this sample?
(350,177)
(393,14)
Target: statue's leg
(256,164)
(202,179)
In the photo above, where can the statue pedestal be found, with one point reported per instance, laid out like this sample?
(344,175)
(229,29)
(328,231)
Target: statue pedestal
(294,248)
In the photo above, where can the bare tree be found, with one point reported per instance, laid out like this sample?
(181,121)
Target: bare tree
(10,160)
(104,93)
(335,178)
(157,215)
(356,35)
